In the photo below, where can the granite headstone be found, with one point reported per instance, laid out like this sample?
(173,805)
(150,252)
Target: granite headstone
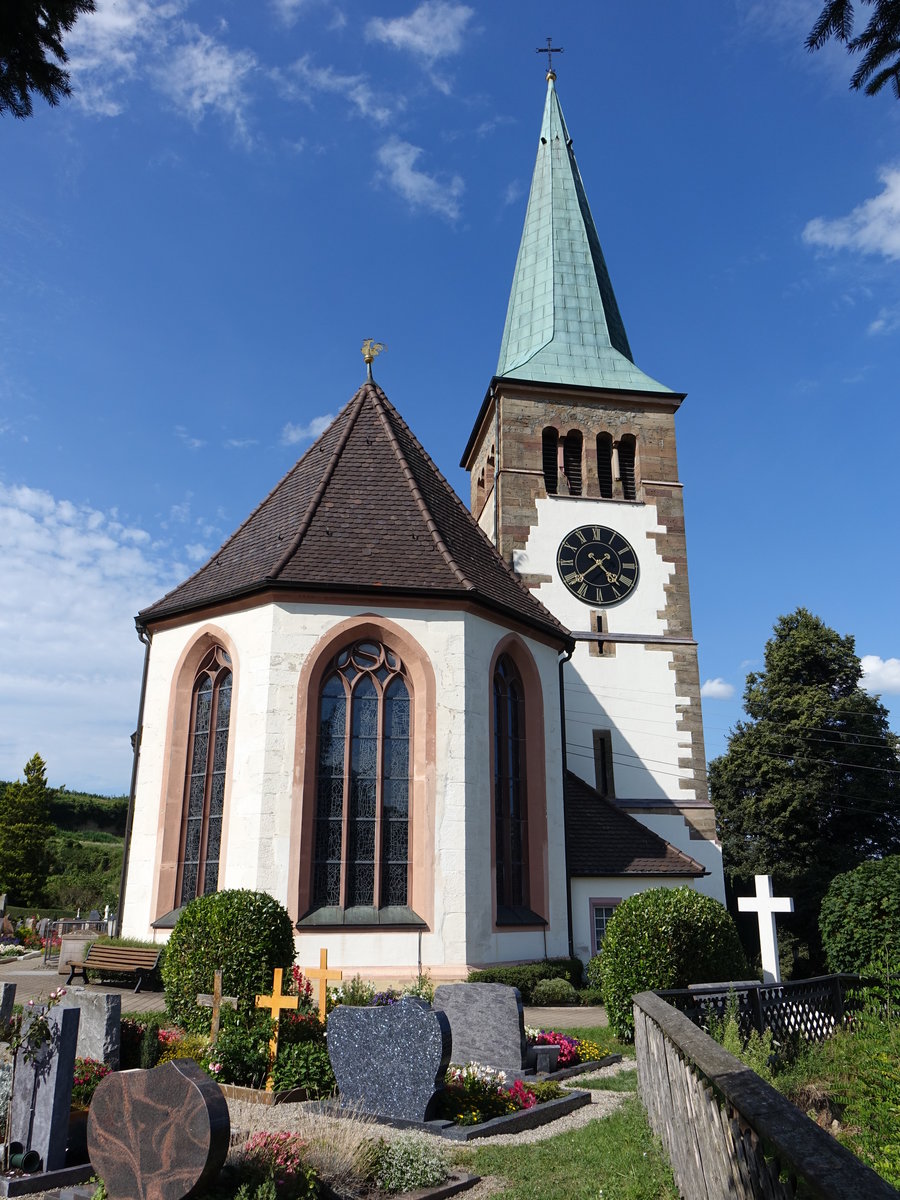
(42,1090)
(99,1031)
(7,1000)
(487,1023)
(160,1134)
(390,1060)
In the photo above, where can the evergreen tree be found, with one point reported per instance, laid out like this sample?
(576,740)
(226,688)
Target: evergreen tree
(30,39)
(24,833)
(810,785)
(879,42)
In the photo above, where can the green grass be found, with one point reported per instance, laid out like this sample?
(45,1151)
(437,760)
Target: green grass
(604,1037)
(616,1157)
(624,1081)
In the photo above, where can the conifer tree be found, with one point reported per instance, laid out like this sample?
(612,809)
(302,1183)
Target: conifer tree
(32,53)
(810,784)
(24,832)
(879,42)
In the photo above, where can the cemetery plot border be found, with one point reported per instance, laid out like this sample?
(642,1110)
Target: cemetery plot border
(233,1091)
(517,1122)
(27,1185)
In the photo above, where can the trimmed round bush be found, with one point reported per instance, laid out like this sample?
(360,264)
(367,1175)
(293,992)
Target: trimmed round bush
(553,991)
(860,916)
(665,938)
(248,934)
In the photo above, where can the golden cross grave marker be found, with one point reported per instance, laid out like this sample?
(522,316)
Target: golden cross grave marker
(322,974)
(276,1002)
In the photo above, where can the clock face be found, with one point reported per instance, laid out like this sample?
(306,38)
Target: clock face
(597,565)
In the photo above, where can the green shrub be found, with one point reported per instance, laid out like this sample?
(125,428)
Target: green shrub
(423,988)
(356,992)
(304,1065)
(248,934)
(526,975)
(140,1045)
(860,915)
(410,1162)
(665,938)
(593,977)
(553,991)
(590,997)
(242,1048)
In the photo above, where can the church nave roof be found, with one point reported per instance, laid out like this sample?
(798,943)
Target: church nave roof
(364,510)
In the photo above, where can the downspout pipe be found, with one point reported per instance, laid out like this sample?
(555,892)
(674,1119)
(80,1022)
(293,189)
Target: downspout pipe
(146,638)
(563,659)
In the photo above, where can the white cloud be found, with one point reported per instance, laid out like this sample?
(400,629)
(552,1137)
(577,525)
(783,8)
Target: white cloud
(203,75)
(70,671)
(292,434)
(192,443)
(434,30)
(881,674)
(397,160)
(873,227)
(354,88)
(513,191)
(239,443)
(887,321)
(111,44)
(197,552)
(717,689)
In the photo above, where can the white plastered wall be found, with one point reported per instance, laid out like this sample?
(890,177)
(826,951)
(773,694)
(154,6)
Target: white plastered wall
(615,887)
(272,642)
(633,692)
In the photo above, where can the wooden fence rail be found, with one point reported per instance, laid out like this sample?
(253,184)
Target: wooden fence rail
(726,1131)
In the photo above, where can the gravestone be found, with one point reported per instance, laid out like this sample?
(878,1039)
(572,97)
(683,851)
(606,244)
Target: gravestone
(100,1028)
(487,1023)
(7,1000)
(390,1060)
(160,1134)
(42,1090)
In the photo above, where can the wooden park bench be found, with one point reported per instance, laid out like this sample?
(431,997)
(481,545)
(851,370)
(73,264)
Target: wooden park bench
(119,960)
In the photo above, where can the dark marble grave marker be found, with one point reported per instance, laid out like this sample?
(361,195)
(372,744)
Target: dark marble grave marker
(389,1060)
(487,1022)
(42,1091)
(160,1134)
(7,1000)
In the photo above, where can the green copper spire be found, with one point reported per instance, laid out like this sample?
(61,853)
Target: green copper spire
(563,323)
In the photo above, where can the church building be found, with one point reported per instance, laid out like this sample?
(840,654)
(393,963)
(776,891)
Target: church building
(445,738)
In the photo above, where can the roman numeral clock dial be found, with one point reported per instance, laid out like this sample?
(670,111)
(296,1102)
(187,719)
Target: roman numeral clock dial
(597,565)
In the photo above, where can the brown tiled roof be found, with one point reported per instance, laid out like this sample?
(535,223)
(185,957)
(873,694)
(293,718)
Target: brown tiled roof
(603,840)
(365,509)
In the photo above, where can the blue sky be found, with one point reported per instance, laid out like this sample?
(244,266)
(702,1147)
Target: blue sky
(193,248)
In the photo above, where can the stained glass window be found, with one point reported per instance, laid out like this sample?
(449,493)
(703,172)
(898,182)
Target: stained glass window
(204,789)
(361,839)
(510,799)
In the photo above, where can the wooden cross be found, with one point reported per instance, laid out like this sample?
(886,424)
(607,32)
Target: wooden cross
(766,905)
(215,1002)
(323,975)
(549,50)
(276,1002)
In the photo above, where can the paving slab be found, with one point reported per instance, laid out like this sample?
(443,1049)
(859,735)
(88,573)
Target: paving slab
(35,981)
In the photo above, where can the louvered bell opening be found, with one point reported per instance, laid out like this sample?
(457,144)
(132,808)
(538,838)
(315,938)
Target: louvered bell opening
(626,468)
(604,465)
(572,461)
(549,443)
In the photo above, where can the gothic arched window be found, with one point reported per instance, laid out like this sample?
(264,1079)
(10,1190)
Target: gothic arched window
(605,465)
(627,450)
(549,451)
(204,789)
(361,840)
(510,793)
(572,445)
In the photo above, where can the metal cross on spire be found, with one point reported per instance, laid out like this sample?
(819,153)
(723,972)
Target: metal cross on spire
(549,50)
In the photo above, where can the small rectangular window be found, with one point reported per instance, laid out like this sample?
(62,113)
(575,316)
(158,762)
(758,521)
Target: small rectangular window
(603,763)
(602,910)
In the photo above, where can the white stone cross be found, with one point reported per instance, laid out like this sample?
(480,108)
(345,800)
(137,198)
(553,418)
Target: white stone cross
(765,905)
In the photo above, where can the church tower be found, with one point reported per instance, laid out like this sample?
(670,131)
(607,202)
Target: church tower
(574,477)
